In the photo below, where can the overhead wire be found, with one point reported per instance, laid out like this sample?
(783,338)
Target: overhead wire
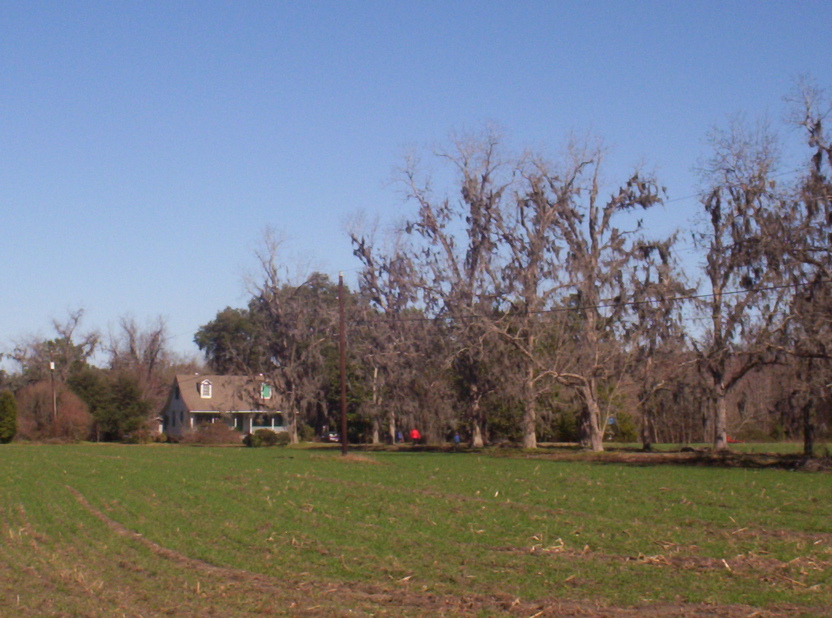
(604,304)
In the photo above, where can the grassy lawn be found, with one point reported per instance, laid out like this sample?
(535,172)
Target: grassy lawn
(170,530)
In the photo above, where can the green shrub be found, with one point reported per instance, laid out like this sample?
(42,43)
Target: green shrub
(212,433)
(566,427)
(306,433)
(8,417)
(267,437)
(625,429)
(750,433)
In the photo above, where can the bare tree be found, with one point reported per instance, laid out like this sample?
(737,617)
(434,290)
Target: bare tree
(297,321)
(68,350)
(656,333)
(388,340)
(583,256)
(143,354)
(743,268)
(806,238)
(457,279)
(534,278)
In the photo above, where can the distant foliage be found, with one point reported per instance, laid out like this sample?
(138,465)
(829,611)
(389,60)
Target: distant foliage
(115,400)
(213,433)
(625,429)
(8,417)
(267,437)
(566,427)
(74,422)
(504,421)
(306,433)
(37,418)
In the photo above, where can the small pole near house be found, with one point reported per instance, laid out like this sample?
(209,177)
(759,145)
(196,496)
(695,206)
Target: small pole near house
(54,397)
(343,359)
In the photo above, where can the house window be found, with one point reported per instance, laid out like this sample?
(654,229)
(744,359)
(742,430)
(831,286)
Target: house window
(205,389)
(265,391)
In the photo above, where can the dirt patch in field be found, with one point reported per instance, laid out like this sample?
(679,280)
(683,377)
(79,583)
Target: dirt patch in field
(763,567)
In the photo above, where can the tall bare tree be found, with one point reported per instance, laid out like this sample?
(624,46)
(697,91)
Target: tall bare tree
(806,238)
(586,260)
(533,277)
(297,321)
(388,327)
(68,350)
(142,353)
(456,259)
(743,267)
(656,332)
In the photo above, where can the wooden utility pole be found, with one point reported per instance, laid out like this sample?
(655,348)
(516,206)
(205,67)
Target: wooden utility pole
(343,355)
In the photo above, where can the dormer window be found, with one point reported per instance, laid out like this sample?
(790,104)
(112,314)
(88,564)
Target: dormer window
(265,391)
(205,389)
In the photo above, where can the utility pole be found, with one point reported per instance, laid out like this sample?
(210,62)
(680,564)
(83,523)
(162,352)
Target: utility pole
(343,355)
(54,397)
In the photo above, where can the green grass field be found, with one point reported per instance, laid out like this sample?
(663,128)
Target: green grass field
(107,530)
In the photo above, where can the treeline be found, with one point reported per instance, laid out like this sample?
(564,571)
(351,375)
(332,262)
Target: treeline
(60,394)
(529,302)
(523,298)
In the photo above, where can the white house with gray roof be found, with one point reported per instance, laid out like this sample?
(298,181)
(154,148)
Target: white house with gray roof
(241,402)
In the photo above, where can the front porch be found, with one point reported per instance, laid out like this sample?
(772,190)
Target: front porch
(249,423)
(244,422)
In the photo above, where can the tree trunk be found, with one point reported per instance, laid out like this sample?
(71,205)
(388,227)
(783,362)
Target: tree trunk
(392,428)
(376,429)
(293,427)
(594,434)
(646,443)
(376,408)
(530,412)
(476,436)
(808,430)
(477,440)
(720,420)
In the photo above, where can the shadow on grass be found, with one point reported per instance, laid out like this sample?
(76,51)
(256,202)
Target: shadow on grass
(701,457)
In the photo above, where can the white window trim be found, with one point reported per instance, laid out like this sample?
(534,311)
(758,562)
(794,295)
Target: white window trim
(205,389)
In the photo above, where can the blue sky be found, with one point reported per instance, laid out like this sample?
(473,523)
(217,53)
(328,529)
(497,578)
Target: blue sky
(144,146)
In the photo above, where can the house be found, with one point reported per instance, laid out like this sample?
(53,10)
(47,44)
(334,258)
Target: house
(241,402)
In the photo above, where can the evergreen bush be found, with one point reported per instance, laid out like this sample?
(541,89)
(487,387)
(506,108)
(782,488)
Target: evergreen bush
(306,433)
(8,417)
(267,437)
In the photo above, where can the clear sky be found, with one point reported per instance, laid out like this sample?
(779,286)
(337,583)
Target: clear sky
(145,145)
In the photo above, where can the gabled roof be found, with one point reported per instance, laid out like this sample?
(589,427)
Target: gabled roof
(228,394)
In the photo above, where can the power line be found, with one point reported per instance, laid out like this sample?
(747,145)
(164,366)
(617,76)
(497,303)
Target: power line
(702,194)
(604,304)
